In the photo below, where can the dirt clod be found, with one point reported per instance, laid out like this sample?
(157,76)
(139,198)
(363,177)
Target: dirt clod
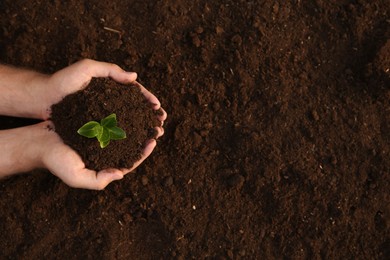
(144,180)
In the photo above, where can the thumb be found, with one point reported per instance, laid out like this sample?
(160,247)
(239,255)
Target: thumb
(88,179)
(106,176)
(98,69)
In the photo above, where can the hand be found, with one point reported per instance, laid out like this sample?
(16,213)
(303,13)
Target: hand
(67,165)
(77,76)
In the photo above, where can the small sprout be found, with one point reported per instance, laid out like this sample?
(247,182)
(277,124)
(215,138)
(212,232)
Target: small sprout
(104,131)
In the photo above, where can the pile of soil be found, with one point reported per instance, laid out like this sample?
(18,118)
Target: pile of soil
(277,143)
(100,99)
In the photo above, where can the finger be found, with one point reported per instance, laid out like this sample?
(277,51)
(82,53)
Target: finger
(159,131)
(98,69)
(149,96)
(149,147)
(162,116)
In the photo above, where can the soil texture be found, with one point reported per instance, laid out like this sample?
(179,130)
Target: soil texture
(276,146)
(100,99)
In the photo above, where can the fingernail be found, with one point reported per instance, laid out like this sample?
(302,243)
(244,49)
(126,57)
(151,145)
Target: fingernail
(132,73)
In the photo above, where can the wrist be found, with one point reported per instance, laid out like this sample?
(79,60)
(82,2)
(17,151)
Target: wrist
(37,97)
(23,149)
(22,92)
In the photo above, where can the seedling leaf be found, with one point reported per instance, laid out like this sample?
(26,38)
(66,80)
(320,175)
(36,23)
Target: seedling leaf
(109,121)
(90,129)
(104,144)
(117,133)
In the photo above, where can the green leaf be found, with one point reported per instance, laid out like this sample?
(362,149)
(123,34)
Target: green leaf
(109,121)
(90,129)
(117,133)
(104,135)
(104,132)
(104,143)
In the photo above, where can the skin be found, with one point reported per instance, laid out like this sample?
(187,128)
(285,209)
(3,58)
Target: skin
(30,94)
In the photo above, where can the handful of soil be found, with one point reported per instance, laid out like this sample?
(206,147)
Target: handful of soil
(101,98)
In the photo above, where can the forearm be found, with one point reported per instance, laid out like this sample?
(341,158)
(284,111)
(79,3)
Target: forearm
(21,92)
(20,150)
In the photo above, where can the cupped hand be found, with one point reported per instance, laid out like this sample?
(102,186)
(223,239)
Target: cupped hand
(76,77)
(67,165)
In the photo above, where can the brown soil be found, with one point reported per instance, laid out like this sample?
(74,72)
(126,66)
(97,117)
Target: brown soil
(101,98)
(277,143)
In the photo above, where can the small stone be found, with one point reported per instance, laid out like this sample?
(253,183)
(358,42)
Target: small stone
(196,41)
(169,69)
(219,30)
(315,115)
(199,30)
(275,8)
(144,180)
(100,199)
(197,139)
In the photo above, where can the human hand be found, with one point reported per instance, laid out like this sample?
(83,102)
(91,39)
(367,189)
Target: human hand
(77,77)
(67,165)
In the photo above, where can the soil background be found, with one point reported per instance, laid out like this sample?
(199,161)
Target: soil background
(277,143)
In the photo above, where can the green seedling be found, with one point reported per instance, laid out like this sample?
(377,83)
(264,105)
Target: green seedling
(104,131)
